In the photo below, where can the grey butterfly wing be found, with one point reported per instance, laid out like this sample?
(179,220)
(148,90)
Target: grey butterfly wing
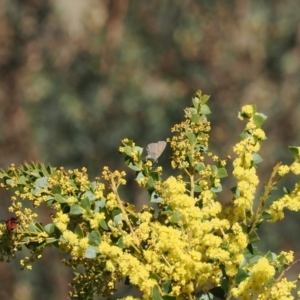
(161,145)
(154,150)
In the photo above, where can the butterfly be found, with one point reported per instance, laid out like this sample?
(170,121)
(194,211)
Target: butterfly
(154,150)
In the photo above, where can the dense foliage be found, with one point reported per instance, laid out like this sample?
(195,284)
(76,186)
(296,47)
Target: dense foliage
(184,244)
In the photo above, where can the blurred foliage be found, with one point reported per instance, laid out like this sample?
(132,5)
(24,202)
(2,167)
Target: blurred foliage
(76,78)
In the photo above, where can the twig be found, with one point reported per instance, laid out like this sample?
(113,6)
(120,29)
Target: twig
(267,190)
(124,213)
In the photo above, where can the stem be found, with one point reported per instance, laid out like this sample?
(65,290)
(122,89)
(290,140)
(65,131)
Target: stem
(282,274)
(166,261)
(124,214)
(262,200)
(192,183)
(287,269)
(230,286)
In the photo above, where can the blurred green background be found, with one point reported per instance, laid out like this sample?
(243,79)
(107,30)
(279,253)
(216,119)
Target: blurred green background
(78,76)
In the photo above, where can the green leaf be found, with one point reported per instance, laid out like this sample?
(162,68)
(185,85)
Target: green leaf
(32,228)
(34,173)
(94,238)
(191,136)
(117,219)
(167,211)
(128,150)
(196,101)
(139,176)
(76,209)
(39,227)
(176,217)
(78,231)
(256,158)
(217,189)
(120,243)
(51,240)
(90,195)
(167,286)
(214,170)
(286,190)
(251,251)
(222,172)
(271,256)
(22,180)
(255,259)
(155,277)
(139,149)
(151,182)
(36,191)
(9,181)
(49,228)
(195,118)
(259,119)
(91,252)
(282,259)
(236,191)
(198,94)
(225,284)
(133,167)
(253,237)
(294,151)
(200,167)
(245,134)
(155,293)
(241,276)
(99,204)
(116,211)
(197,188)
(53,229)
(34,246)
(266,216)
(59,198)
(218,292)
(190,157)
(204,99)
(104,225)
(56,189)
(41,182)
(205,110)
(93,186)
(85,204)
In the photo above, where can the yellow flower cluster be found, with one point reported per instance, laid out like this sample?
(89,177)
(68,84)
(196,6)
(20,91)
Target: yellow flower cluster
(189,241)
(283,170)
(257,282)
(281,290)
(247,110)
(295,168)
(183,252)
(185,151)
(290,201)
(76,245)
(116,176)
(244,168)
(61,220)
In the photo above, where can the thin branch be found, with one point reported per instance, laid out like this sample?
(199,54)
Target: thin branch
(267,190)
(282,274)
(124,213)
